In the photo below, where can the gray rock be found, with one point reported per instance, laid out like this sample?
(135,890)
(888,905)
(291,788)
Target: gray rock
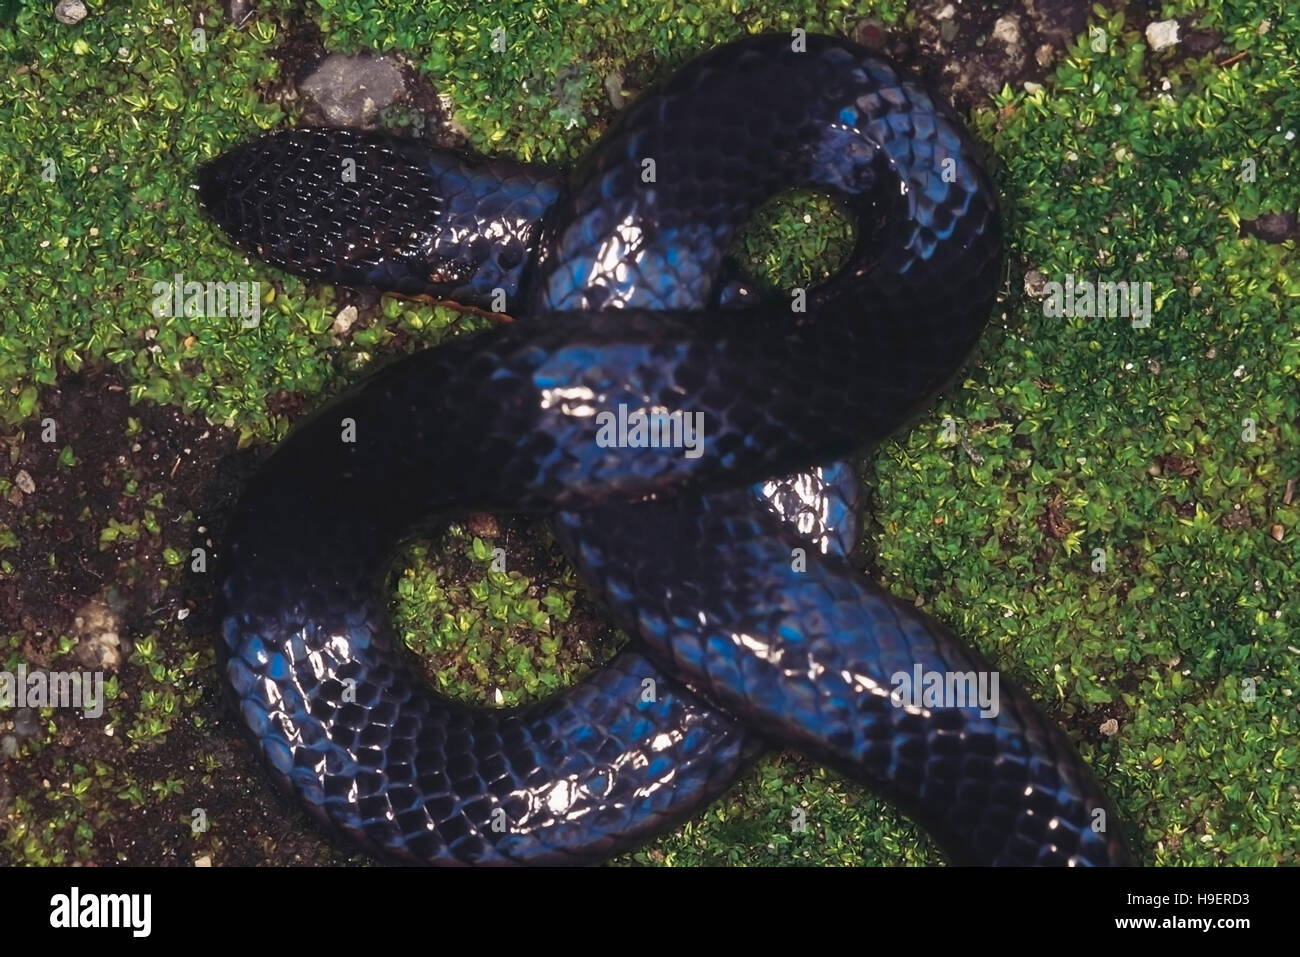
(70,12)
(101,647)
(350,91)
(1034,283)
(614,89)
(1007,29)
(342,323)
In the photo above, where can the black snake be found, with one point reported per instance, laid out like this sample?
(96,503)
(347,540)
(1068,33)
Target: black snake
(629,307)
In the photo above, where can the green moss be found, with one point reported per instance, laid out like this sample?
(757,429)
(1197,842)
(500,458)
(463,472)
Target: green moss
(496,636)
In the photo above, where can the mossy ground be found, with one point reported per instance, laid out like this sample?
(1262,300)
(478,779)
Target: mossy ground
(1171,448)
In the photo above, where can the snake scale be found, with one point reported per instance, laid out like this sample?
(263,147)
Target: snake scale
(626,301)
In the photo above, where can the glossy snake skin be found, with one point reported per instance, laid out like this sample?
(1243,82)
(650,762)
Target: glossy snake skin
(622,296)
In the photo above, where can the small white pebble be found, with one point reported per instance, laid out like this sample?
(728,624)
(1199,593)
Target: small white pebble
(1162,34)
(1007,29)
(344,319)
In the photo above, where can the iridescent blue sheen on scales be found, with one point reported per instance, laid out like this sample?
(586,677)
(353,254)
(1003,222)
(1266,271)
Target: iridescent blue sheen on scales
(624,300)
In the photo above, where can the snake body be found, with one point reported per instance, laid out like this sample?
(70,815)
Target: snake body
(618,275)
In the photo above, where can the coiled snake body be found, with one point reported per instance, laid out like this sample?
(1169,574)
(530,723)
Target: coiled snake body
(618,273)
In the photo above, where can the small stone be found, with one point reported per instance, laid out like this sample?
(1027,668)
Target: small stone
(947,13)
(1162,34)
(1277,532)
(70,12)
(343,321)
(614,89)
(1109,727)
(8,745)
(1035,282)
(100,648)
(1007,29)
(24,481)
(1044,55)
(1031,87)
(204,860)
(351,90)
